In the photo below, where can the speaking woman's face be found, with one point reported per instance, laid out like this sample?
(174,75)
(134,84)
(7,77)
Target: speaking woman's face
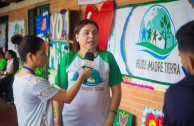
(88,38)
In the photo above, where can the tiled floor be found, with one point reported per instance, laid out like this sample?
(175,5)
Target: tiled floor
(8,115)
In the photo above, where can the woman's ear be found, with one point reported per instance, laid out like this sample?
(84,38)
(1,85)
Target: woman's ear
(190,60)
(76,37)
(29,57)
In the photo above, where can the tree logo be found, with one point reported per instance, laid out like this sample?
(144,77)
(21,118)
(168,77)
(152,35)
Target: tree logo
(157,32)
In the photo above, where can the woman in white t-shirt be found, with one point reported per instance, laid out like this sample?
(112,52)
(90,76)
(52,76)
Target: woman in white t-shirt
(33,95)
(92,105)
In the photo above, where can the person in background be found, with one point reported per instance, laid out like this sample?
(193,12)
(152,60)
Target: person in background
(3,62)
(33,95)
(92,106)
(178,102)
(11,68)
(11,57)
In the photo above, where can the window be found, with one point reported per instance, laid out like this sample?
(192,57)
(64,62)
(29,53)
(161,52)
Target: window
(32,13)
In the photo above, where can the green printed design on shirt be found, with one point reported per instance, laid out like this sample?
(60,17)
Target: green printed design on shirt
(96,78)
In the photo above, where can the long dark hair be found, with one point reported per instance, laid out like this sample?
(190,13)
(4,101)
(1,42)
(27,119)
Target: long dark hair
(15,60)
(79,26)
(12,53)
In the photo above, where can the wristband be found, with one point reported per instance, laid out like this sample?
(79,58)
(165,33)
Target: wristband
(111,110)
(5,72)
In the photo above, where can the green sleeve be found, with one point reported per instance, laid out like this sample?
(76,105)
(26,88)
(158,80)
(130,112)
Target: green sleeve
(3,64)
(115,76)
(61,79)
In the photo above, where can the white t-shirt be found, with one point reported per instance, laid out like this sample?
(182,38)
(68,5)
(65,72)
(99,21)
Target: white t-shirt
(32,100)
(9,65)
(91,104)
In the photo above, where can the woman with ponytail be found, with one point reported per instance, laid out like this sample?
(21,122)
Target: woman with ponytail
(33,95)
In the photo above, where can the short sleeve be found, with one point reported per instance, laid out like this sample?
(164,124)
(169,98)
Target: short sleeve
(43,90)
(115,76)
(61,79)
(3,64)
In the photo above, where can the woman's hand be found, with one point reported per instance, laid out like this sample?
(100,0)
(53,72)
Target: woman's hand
(1,72)
(114,105)
(86,73)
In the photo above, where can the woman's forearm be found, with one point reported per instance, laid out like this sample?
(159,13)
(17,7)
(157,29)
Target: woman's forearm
(114,105)
(58,106)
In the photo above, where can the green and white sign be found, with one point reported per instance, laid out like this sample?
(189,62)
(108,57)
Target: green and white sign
(143,40)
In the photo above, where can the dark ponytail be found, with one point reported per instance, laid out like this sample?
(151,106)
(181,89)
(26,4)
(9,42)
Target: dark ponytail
(16,39)
(27,44)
